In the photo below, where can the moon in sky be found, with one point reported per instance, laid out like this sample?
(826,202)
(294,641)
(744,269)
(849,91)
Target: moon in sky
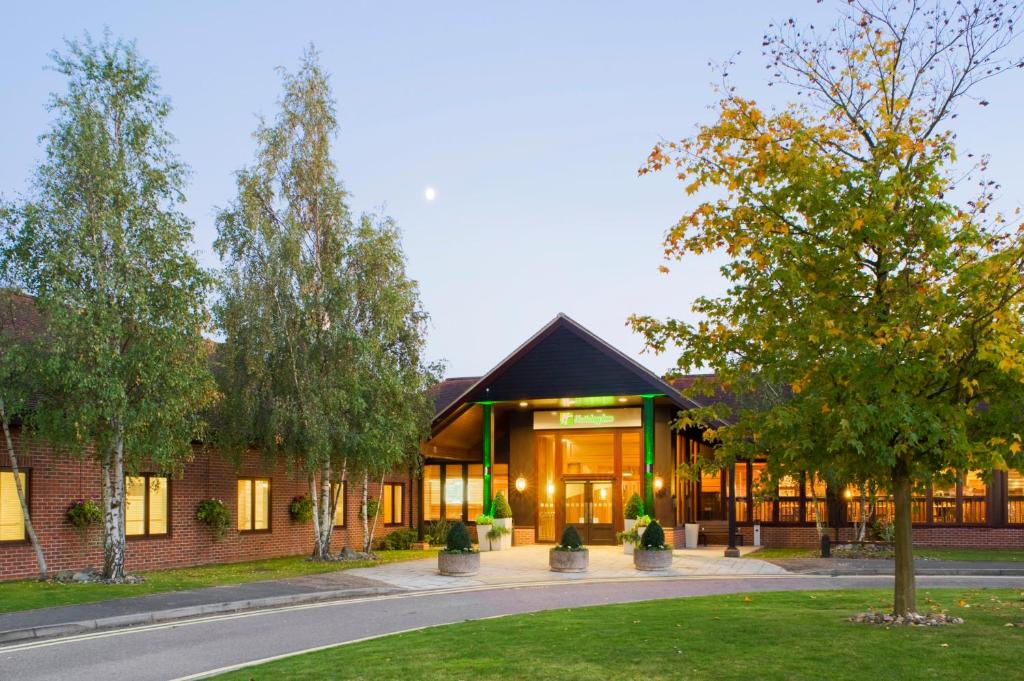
(430,194)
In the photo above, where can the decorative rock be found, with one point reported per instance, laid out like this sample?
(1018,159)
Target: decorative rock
(348,554)
(568,561)
(458,564)
(914,619)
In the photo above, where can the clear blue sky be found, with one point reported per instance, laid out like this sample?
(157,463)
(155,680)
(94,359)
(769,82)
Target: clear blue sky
(529,119)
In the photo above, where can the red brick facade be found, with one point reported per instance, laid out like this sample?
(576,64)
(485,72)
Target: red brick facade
(55,482)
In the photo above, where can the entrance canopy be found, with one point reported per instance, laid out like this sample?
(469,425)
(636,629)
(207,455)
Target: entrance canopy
(561,366)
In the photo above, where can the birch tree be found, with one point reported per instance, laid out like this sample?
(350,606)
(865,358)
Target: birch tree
(866,273)
(104,248)
(17,344)
(289,368)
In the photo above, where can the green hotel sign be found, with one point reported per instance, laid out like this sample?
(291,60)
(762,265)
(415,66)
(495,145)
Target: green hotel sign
(628,417)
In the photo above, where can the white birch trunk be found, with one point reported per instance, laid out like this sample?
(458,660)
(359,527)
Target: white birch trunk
(314,497)
(366,512)
(29,530)
(373,527)
(112,478)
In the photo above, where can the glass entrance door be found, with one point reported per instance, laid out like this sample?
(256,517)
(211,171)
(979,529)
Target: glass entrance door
(589,505)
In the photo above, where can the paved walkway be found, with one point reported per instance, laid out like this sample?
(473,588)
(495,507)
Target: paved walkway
(529,565)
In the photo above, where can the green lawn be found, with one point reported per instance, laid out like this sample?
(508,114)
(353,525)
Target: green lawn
(999,555)
(30,594)
(798,635)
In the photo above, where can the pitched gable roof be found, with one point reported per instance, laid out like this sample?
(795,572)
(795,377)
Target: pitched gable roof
(563,359)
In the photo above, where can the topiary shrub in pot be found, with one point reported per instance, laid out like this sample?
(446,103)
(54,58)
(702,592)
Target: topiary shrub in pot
(652,553)
(458,558)
(501,539)
(570,555)
(483,526)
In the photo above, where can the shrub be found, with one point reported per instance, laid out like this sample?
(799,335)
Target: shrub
(399,540)
(500,508)
(301,509)
(634,507)
(571,540)
(497,531)
(643,521)
(83,514)
(437,532)
(372,507)
(215,515)
(458,540)
(653,538)
(484,519)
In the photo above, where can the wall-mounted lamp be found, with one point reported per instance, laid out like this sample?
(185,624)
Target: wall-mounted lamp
(520,484)
(847,493)
(551,488)
(524,404)
(658,483)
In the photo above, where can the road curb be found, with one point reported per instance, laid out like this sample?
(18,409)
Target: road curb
(1001,572)
(157,616)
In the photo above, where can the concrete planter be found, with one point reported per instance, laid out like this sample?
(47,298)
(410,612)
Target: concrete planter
(568,561)
(458,564)
(645,559)
(481,537)
(503,542)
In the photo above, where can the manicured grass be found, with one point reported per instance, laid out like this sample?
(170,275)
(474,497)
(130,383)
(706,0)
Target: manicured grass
(30,594)
(796,635)
(997,555)
(770,553)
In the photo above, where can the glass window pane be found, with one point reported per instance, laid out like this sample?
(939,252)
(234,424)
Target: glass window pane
(1015,500)
(245,504)
(475,491)
(711,494)
(12,521)
(338,490)
(1015,483)
(974,486)
(431,492)
(632,466)
(158,505)
(546,488)
(262,519)
(588,453)
(762,496)
(397,508)
(499,479)
(387,509)
(454,492)
(135,506)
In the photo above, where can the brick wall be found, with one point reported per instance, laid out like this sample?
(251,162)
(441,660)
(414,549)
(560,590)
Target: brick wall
(523,536)
(56,481)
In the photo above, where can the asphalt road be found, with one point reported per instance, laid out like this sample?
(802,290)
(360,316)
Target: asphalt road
(197,646)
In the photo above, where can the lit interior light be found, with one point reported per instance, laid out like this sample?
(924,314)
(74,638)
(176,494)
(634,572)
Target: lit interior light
(623,399)
(520,484)
(658,483)
(551,488)
(524,404)
(848,494)
(604,494)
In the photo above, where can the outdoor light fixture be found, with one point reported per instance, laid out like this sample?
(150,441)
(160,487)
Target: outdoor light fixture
(623,399)
(524,404)
(551,488)
(658,483)
(520,484)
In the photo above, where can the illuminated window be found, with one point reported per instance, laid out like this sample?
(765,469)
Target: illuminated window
(253,504)
(391,503)
(632,466)
(1015,497)
(475,491)
(12,521)
(944,501)
(432,492)
(338,499)
(146,505)
(454,491)
(974,501)
(499,479)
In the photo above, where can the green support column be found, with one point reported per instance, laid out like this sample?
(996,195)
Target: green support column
(648,425)
(487,448)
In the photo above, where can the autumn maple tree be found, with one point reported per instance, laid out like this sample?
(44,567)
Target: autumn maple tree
(875,292)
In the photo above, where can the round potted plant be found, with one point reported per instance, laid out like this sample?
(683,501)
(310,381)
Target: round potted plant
(570,555)
(652,553)
(500,534)
(631,537)
(458,558)
(483,527)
